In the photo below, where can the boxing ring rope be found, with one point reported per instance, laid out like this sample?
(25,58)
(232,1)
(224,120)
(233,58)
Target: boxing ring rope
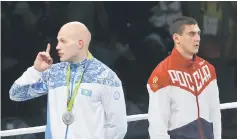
(130,118)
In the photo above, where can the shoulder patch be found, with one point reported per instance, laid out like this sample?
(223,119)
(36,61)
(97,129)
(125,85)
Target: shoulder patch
(155,82)
(116,95)
(158,81)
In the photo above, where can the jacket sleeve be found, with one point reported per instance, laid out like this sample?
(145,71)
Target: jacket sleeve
(215,112)
(30,85)
(115,110)
(159,106)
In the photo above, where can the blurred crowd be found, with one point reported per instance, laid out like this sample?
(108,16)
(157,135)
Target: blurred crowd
(130,37)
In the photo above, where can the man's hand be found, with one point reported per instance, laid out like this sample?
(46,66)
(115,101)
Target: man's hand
(43,60)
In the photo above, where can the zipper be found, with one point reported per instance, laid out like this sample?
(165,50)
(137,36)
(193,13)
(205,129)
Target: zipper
(196,95)
(199,120)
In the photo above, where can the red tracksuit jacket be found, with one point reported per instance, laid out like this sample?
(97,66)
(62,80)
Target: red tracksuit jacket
(184,99)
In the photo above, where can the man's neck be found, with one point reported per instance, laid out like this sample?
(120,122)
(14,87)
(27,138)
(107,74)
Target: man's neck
(184,54)
(79,58)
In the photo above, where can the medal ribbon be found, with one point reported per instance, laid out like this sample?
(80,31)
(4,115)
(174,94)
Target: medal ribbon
(75,92)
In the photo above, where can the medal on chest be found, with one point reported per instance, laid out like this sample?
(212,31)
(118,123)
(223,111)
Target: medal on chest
(68,117)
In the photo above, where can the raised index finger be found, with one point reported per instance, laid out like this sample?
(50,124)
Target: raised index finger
(48,48)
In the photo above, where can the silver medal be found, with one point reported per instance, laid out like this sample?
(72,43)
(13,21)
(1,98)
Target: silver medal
(68,118)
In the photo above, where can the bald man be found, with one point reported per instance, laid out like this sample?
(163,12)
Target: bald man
(85,97)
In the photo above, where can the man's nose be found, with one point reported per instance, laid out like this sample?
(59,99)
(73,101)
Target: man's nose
(197,37)
(57,47)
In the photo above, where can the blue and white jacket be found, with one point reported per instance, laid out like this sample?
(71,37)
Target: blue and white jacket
(99,107)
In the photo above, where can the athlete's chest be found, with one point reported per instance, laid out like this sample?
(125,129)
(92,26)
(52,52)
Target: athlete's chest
(193,79)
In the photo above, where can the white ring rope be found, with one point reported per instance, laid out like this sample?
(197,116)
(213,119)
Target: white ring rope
(130,118)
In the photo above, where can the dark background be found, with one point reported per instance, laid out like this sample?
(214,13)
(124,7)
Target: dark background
(135,37)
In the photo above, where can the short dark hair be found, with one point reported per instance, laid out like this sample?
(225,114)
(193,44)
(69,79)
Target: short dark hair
(178,25)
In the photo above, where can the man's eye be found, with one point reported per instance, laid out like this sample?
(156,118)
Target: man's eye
(191,34)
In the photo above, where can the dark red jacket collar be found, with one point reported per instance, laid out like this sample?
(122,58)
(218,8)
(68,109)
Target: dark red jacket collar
(180,60)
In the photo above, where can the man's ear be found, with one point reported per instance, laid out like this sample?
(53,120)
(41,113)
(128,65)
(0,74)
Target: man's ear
(80,44)
(176,38)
